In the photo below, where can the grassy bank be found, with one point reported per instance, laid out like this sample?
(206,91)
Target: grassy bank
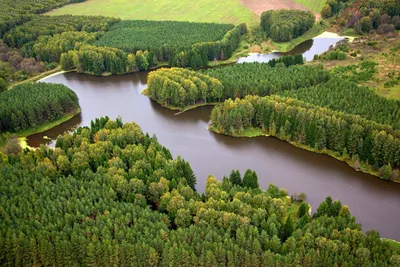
(38,129)
(316,30)
(256,132)
(228,11)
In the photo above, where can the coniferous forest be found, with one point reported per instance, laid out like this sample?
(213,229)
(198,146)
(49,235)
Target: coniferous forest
(112,194)
(180,88)
(316,127)
(31,104)
(285,25)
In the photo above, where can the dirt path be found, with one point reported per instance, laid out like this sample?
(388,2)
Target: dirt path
(259,6)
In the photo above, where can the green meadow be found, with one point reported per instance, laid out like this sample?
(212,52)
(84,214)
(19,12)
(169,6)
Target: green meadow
(227,11)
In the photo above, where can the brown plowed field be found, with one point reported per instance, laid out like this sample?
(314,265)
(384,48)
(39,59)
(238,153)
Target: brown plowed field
(259,6)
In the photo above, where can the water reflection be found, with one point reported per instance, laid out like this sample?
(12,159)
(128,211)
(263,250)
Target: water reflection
(308,49)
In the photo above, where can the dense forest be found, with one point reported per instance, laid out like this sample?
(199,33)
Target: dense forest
(319,128)
(111,194)
(180,88)
(30,104)
(350,98)
(164,38)
(261,79)
(285,25)
(35,46)
(51,25)
(118,51)
(16,12)
(98,45)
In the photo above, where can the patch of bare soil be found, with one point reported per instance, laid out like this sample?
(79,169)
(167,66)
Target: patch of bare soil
(259,6)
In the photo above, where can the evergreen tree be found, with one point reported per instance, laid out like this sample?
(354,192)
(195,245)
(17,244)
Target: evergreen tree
(235,178)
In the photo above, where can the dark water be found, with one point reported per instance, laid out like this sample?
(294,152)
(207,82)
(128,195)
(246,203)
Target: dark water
(308,48)
(374,202)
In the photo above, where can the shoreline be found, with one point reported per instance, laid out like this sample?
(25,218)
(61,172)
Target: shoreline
(53,74)
(24,134)
(179,110)
(258,133)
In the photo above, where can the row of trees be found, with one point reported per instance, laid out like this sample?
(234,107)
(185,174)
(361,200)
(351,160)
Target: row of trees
(285,25)
(49,48)
(30,104)
(347,97)
(287,60)
(221,49)
(110,194)
(98,60)
(178,87)
(306,124)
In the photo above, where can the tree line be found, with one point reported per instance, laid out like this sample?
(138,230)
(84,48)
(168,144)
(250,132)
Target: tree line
(30,104)
(347,97)
(349,136)
(98,60)
(180,88)
(111,194)
(285,25)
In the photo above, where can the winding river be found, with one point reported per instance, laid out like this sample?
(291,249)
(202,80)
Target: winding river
(375,203)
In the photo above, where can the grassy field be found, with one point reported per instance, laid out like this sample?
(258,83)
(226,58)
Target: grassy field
(314,5)
(227,11)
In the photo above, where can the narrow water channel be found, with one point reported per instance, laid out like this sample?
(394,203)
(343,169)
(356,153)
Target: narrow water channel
(375,203)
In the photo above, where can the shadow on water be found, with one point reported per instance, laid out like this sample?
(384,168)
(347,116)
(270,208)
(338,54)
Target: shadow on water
(48,137)
(374,202)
